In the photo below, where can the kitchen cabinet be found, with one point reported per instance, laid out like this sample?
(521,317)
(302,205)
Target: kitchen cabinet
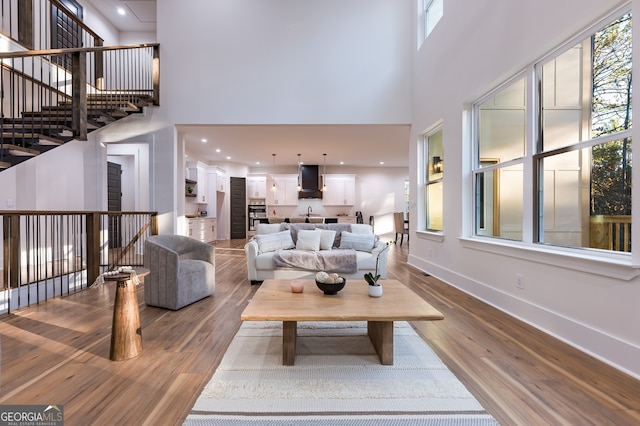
(340,190)
(257,187)
(203,187)
(282,190)
(203,229)
(196,183)
(346,219)
(222,181)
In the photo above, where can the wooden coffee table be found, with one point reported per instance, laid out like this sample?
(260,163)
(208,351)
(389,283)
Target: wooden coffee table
(274,301)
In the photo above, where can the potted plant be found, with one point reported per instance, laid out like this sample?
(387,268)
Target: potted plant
(375,289)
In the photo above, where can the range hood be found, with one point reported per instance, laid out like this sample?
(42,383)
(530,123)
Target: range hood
(310,183)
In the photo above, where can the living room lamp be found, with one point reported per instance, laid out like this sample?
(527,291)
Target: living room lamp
(299,175)
(324,172)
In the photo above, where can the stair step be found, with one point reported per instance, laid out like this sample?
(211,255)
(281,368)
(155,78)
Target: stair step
(107,105)
(42,139)
(18,151)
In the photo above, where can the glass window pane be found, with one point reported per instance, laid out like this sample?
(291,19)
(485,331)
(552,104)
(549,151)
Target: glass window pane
(586,91)
(434,206)
(499,202)
(433,13)
(435,157)
(586,199)
(502,122)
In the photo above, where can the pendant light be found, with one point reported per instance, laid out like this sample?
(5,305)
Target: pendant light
(324,172)
(299,175)
(273,187)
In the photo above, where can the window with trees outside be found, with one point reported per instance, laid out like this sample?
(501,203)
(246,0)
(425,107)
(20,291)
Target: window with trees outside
(433,173)
(580,156)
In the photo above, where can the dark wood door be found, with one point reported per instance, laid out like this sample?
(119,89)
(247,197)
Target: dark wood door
(114,202)
(238,201)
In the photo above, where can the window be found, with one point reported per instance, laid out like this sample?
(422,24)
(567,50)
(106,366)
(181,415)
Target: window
(584,148)
(501,129)
(433,10)
(433,173)
(579,159)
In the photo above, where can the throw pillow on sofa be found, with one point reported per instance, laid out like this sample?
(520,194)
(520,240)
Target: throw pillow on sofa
(308,240)
(360,242)
(275,241)
(327,237)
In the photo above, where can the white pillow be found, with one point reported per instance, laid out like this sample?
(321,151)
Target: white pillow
(274,241)
(326,239)
(361,228)
(360,242)
(267,228)
(309,240)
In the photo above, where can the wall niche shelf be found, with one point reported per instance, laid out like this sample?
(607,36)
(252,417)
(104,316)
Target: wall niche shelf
(188,183)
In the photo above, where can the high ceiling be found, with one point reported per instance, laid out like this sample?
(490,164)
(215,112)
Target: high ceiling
(354,145)
(140,15)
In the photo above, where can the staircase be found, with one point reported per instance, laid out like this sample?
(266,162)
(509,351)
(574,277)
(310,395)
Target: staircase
(36,132)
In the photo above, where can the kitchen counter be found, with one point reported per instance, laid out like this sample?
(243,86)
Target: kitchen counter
(311,219)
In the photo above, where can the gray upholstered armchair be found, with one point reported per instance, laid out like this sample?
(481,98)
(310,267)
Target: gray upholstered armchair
(182,271)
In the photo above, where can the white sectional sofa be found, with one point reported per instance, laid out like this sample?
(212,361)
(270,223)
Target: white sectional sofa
(275,250)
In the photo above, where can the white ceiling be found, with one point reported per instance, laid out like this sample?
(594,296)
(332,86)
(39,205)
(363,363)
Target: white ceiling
(355,145)
(140,15)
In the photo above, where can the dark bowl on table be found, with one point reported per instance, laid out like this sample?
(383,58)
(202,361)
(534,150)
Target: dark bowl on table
(331,288)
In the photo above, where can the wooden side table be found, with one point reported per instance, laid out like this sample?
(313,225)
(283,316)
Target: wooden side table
(126,333)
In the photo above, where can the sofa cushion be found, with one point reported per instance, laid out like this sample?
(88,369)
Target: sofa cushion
(327,239)
(360,242)
(308,240)
(274,241)
(361,228)
(267,228)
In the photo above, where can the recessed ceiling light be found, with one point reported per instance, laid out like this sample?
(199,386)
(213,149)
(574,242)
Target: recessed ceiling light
(381,163)
(228,158)
(218,150)
(342,162)
(204,140)
(121,11)
(257,162)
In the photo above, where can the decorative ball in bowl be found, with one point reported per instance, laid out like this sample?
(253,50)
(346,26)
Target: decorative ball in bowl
(330,283)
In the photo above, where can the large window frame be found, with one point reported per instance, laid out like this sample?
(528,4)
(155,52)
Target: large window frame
(534,156)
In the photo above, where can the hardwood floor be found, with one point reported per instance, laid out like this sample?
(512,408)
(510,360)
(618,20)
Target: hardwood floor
(58,353)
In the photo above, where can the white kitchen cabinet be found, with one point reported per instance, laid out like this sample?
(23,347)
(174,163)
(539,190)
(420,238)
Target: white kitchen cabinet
(340,190)
(203,186)
(197,179)
(203,229)
(257,187)
(222,181)
(285,191)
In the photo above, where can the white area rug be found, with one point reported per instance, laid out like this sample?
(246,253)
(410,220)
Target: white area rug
(337,379)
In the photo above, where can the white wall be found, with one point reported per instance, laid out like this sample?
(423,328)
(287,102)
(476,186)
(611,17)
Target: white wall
(586,300)
(275,61)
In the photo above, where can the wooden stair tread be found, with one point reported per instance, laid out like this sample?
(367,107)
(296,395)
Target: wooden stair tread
(4,165)
(19,150)
(42,139)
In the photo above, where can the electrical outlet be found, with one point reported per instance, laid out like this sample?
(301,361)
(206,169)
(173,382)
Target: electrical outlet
(520,281)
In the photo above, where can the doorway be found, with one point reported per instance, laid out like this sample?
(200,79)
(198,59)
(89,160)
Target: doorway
(238,208)
(114,202)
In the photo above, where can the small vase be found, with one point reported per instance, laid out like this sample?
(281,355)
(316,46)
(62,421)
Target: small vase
(375,290)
